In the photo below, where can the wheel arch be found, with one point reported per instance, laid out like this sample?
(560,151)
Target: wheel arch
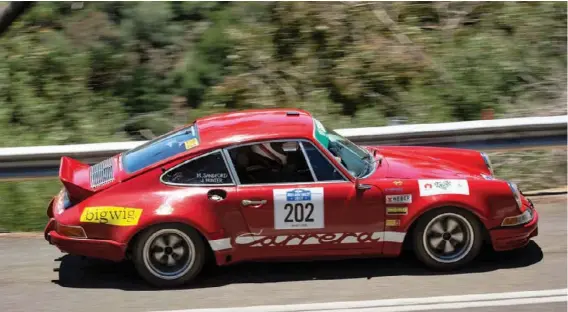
(461,207)
(131,241)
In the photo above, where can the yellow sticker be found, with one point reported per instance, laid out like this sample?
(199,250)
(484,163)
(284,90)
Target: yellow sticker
(392,222)
(191,143)
(397,210)
(121,216)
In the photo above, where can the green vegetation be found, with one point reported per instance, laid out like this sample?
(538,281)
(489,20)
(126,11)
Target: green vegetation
(104,71)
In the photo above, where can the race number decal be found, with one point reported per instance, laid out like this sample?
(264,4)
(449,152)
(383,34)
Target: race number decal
(298,208)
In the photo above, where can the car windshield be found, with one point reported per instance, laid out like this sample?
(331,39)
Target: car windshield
(160,148)
(354,158)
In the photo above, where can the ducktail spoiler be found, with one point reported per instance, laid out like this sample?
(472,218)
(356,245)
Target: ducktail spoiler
(75,177)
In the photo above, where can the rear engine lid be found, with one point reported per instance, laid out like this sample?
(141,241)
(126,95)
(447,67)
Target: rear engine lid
(81,180)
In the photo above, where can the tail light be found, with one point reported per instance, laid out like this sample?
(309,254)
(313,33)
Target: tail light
(71,231)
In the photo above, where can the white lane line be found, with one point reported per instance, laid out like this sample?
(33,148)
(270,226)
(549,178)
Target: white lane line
(456,305)
(410,304)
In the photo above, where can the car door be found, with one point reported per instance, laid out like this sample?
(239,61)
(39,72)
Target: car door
(306,211)
(203,188)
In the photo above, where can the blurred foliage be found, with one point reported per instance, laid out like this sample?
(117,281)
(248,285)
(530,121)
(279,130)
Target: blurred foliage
(78,72)
(87,71)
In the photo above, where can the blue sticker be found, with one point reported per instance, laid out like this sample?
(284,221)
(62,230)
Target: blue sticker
(298,194)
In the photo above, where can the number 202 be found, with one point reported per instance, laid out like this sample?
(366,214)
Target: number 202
(298,211)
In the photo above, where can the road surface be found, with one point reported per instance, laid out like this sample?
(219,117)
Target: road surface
(37,277)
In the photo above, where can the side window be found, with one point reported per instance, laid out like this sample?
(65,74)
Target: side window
(271,162)
(323,169)
(210,169)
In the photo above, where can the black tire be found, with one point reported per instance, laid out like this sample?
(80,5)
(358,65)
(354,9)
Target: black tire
(435,259)
(147,265)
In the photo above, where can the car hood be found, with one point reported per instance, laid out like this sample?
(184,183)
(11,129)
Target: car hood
(430,163)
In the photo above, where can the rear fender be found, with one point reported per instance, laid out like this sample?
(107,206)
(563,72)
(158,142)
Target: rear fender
(159,204)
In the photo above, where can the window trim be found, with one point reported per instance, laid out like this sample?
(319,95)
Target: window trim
(301,144)
(220,151)
(162,162)
(328,161)
(301,141)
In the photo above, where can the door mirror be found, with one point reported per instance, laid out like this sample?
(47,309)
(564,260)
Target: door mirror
(290,147)
(360,186)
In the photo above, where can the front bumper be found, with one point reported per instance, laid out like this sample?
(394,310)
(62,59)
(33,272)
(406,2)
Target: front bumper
(509,238)
(95,248)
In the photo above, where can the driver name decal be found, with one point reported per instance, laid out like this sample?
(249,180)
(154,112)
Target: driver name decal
(214,178)
(298,208)
(440,187)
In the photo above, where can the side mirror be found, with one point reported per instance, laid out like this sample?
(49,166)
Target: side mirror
(360,186)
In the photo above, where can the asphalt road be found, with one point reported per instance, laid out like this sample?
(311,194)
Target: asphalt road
(37,277)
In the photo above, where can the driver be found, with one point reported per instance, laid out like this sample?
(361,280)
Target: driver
(271,154)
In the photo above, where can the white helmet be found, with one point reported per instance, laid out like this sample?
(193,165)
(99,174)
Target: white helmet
(268,151)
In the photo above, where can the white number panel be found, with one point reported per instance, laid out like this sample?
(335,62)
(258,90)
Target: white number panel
(300,208)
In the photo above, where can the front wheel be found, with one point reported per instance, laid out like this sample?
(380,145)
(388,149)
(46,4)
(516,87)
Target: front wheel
(169,255)
(447,239)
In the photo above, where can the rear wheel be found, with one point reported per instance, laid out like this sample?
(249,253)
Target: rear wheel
(447,239)
(169,255)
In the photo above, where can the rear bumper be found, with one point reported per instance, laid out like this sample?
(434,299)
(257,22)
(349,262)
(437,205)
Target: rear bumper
(505,238)
(95,248)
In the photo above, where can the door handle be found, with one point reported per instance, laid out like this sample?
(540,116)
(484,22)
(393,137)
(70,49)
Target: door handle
(247,202)
(216,195)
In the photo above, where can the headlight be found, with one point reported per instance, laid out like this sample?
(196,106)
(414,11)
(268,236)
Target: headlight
(523,218)
(516,194)
(487,162)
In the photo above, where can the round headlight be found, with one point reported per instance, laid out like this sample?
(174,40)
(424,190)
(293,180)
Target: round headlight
(487,162)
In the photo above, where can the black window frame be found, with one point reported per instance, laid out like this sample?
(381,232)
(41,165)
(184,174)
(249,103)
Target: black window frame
(345,179)
(300,142)
(228,167)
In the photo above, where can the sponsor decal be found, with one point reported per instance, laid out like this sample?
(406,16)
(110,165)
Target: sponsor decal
(257,240)
(399,199)
(320,134)
(191,143)
(439,187)
(394,189)
(298,208)
(120,216)
(392,222)
(397,183)
(487,177)
(397,210)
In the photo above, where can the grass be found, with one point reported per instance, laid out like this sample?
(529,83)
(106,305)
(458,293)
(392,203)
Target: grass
(23,204)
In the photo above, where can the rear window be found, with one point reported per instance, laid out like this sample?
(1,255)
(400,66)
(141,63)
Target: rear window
(160,148)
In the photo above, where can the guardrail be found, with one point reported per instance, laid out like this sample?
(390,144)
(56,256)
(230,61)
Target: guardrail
(500,134)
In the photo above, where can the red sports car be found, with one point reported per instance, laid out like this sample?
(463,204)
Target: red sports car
(277,184)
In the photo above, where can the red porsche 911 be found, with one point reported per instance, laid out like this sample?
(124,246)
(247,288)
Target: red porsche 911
(277,184)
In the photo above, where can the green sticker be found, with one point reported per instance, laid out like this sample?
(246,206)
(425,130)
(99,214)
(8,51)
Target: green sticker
(320,133)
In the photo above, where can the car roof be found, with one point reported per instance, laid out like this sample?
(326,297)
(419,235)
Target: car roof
(224,129)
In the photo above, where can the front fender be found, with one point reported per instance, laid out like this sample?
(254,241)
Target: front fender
(489,200)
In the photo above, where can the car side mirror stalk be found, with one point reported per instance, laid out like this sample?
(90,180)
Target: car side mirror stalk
(360,186)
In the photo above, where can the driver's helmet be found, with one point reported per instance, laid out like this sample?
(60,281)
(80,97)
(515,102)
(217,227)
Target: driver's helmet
(272,151)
